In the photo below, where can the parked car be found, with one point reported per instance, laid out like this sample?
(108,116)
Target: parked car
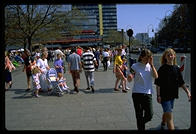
(154,50)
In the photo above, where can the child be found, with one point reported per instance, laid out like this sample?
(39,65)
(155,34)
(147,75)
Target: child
(124,68)
(35,78)
(62,82)
(59,64)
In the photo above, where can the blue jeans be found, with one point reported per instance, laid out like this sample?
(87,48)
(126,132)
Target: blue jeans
(89,78)
(167,105)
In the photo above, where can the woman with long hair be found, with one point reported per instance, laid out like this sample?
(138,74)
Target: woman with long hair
(167,85)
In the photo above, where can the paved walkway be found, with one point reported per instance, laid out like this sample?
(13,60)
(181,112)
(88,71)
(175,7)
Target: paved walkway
(103,110)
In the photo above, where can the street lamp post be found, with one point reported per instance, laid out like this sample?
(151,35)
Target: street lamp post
(149,27)
(148,30)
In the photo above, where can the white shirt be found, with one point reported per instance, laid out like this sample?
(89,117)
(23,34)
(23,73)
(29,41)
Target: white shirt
(143,78)
(42,64)
(123,52)
(105,54)
(58,51)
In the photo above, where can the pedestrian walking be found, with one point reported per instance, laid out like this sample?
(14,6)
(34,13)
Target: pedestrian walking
(79,51)
(42,63)
(8,69)
(97,56)
(143,71)
(88,63)
(118,70)
(58,51)
(105,55)
(27,67)
(123,54)
(75,67)
(167,85)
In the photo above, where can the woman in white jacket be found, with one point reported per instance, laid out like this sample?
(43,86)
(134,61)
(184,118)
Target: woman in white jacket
(42,63)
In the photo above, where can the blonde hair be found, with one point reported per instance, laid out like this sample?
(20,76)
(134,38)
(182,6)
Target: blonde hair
(163,58)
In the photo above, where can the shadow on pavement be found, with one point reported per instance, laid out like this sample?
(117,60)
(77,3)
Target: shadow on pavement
(156,128)
(159,128)
(107,90)
(24,94)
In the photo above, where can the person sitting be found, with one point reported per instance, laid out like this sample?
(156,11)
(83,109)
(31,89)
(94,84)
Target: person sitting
(62,82)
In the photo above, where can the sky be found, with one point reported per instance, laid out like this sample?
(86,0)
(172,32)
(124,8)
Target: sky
(142,18)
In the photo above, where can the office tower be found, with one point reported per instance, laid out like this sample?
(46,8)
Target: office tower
(106,17)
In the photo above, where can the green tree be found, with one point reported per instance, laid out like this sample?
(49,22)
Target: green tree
(114,37)
(178,26)
(37,23)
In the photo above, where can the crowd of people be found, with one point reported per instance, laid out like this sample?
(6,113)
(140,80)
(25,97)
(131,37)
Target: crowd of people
(167,79)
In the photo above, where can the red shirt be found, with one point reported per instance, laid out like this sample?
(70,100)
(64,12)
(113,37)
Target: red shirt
(79,51)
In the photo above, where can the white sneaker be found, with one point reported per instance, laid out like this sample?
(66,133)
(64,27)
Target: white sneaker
(127,88)
(37,96)
(120,86)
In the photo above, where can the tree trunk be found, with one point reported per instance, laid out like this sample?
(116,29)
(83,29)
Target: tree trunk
(25,43)
(29,44)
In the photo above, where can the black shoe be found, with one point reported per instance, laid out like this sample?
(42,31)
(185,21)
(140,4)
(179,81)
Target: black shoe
(116,89)
(93,90)
(163,126)
(76,89)
(28,89)
(141,127)
(88,88)
(124,91)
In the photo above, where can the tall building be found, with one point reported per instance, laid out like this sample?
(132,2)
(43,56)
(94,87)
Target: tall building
(143,38)
(98,19)
(106,17)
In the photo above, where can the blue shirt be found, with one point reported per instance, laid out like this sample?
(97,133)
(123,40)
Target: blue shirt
(74,61)
(59,62)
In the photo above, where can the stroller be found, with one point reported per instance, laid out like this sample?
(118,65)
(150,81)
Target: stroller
(51,77)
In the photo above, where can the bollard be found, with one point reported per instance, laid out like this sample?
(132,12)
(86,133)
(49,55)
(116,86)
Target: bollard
(182,62)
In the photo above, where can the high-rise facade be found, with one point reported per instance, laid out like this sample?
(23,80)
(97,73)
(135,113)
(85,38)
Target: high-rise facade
(106,17)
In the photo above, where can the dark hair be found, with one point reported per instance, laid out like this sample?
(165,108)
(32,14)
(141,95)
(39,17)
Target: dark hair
(73,49)
(144,52)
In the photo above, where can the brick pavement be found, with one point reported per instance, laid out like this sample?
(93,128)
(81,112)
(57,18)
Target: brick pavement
(103,110)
